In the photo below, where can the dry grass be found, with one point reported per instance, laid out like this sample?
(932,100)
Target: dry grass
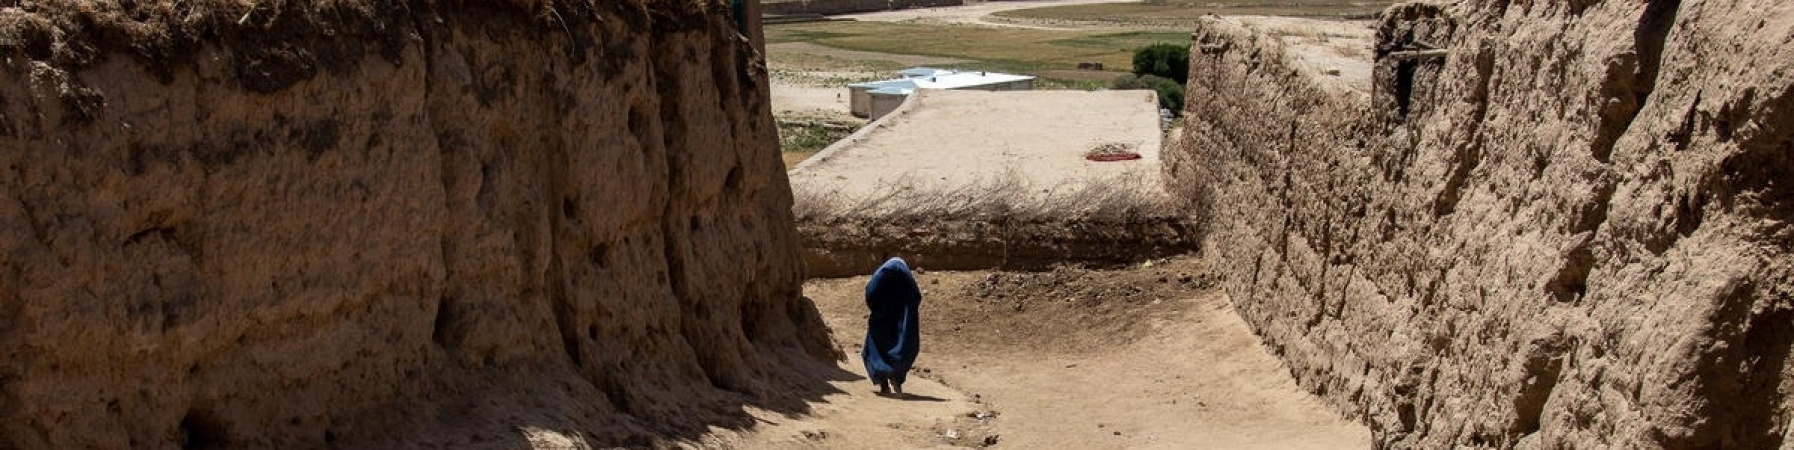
(800,136)
(1177,13)
(1005,198)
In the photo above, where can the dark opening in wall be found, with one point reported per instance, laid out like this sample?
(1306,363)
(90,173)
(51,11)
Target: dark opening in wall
(200,430)
(1403,88)
(445,318)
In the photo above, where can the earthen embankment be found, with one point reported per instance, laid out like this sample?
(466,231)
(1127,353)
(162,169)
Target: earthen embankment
(311,224)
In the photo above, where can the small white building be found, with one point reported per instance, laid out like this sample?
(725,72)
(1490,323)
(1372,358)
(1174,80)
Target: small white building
(874,99)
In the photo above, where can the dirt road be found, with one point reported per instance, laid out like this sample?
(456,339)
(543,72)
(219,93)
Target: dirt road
(1073,358)
(971,14)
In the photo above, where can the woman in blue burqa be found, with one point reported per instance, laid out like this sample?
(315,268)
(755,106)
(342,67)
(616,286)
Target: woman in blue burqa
(893,334)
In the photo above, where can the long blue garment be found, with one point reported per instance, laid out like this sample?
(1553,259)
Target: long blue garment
(893,331)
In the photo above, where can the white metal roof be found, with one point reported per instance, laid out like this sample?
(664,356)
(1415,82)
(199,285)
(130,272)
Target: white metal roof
(957,80)
(943,79)
(892,90)
(914,72)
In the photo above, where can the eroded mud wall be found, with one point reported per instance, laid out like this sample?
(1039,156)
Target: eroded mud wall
(1572,231)
(299,224)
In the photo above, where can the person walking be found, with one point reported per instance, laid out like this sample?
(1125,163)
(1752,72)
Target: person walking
(893,329)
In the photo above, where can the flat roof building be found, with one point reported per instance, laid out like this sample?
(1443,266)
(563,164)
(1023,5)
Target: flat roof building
(874,99)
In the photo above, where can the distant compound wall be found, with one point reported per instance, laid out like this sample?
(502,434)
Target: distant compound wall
(879,104)
(1575,229)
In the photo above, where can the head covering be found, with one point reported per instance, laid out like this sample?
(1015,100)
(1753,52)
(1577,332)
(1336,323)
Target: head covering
(893,331)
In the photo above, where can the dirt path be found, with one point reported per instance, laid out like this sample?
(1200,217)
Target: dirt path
(857,417)
(809,48)
(1066,359)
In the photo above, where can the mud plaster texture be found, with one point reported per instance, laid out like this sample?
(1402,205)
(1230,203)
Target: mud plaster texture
(390,224)
(1571,232)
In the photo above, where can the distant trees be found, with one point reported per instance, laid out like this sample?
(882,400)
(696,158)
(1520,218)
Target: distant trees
(1170,61)
(1171,93)
(1162,68)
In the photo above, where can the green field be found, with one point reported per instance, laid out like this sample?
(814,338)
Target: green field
(999,49)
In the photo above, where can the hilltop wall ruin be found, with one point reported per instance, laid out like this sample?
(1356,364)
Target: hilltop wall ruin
(1573,230)
(393,224)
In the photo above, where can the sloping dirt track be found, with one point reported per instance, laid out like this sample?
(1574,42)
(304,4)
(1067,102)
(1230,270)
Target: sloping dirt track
(971,14)
(1149,357)
(1142,357)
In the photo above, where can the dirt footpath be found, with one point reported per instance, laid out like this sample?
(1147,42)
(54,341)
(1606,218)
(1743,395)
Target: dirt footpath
(1135,358)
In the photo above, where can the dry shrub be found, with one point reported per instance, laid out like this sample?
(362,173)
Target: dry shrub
(1001,221)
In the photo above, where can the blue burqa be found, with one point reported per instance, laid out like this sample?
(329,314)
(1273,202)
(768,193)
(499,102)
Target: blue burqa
(893,333)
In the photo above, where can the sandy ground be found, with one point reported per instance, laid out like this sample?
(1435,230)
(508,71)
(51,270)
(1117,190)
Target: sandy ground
(797,99)
(933,416)
(948,139)
(1073,358)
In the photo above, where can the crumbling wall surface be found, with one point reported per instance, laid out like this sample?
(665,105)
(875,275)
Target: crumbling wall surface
(230,224)
(844,247)
(1571,231)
